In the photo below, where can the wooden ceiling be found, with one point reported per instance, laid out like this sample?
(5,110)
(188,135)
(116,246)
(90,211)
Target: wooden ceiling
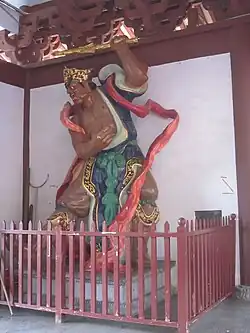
(68,24)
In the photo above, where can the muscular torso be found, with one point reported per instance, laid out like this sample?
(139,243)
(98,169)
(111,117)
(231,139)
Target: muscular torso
(95,118)
(92,120)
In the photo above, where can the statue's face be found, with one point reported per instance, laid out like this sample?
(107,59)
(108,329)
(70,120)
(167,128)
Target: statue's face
(79,92)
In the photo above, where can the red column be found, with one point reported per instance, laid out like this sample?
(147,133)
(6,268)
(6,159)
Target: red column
(240,62)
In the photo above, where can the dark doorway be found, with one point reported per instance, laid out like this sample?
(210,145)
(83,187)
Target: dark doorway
(208,214)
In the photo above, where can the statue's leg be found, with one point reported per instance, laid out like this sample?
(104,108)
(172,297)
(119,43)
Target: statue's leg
(76,199)
(73,205)
(149,190)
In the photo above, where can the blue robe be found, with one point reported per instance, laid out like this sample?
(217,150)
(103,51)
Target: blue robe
(108,176)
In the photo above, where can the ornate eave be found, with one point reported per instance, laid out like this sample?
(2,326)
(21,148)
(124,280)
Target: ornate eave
(67,24)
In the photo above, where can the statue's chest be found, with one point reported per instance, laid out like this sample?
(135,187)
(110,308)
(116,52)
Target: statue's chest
(97,117)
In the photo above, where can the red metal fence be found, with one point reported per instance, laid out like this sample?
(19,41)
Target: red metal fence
(39,274)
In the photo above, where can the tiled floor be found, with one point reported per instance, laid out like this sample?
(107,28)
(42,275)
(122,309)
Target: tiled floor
(233,316)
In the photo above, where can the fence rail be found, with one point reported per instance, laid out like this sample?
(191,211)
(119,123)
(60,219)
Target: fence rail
(56,271)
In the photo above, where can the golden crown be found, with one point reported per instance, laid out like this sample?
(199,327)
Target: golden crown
(74,74)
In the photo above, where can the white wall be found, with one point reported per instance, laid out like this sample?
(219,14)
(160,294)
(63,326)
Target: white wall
(9,19)
(189,169)
(11,152)
(50,147)
(8,22)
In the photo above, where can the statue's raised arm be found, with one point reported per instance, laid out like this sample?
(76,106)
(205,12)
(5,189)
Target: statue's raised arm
(135,71)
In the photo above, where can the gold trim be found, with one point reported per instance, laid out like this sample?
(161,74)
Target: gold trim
(91,48)
(129,175)
(146,219)
(89,187)
(135,161)
(60,219)
(87,175)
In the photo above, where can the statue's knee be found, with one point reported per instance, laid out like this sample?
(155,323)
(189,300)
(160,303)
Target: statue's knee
(150,194)
(79,207)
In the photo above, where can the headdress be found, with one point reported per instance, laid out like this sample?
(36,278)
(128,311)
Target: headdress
(74,74)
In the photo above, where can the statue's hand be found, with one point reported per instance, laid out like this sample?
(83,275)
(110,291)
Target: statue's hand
(119,43)
(103,138)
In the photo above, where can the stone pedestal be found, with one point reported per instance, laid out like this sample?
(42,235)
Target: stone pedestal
(135,290)
(243,293)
